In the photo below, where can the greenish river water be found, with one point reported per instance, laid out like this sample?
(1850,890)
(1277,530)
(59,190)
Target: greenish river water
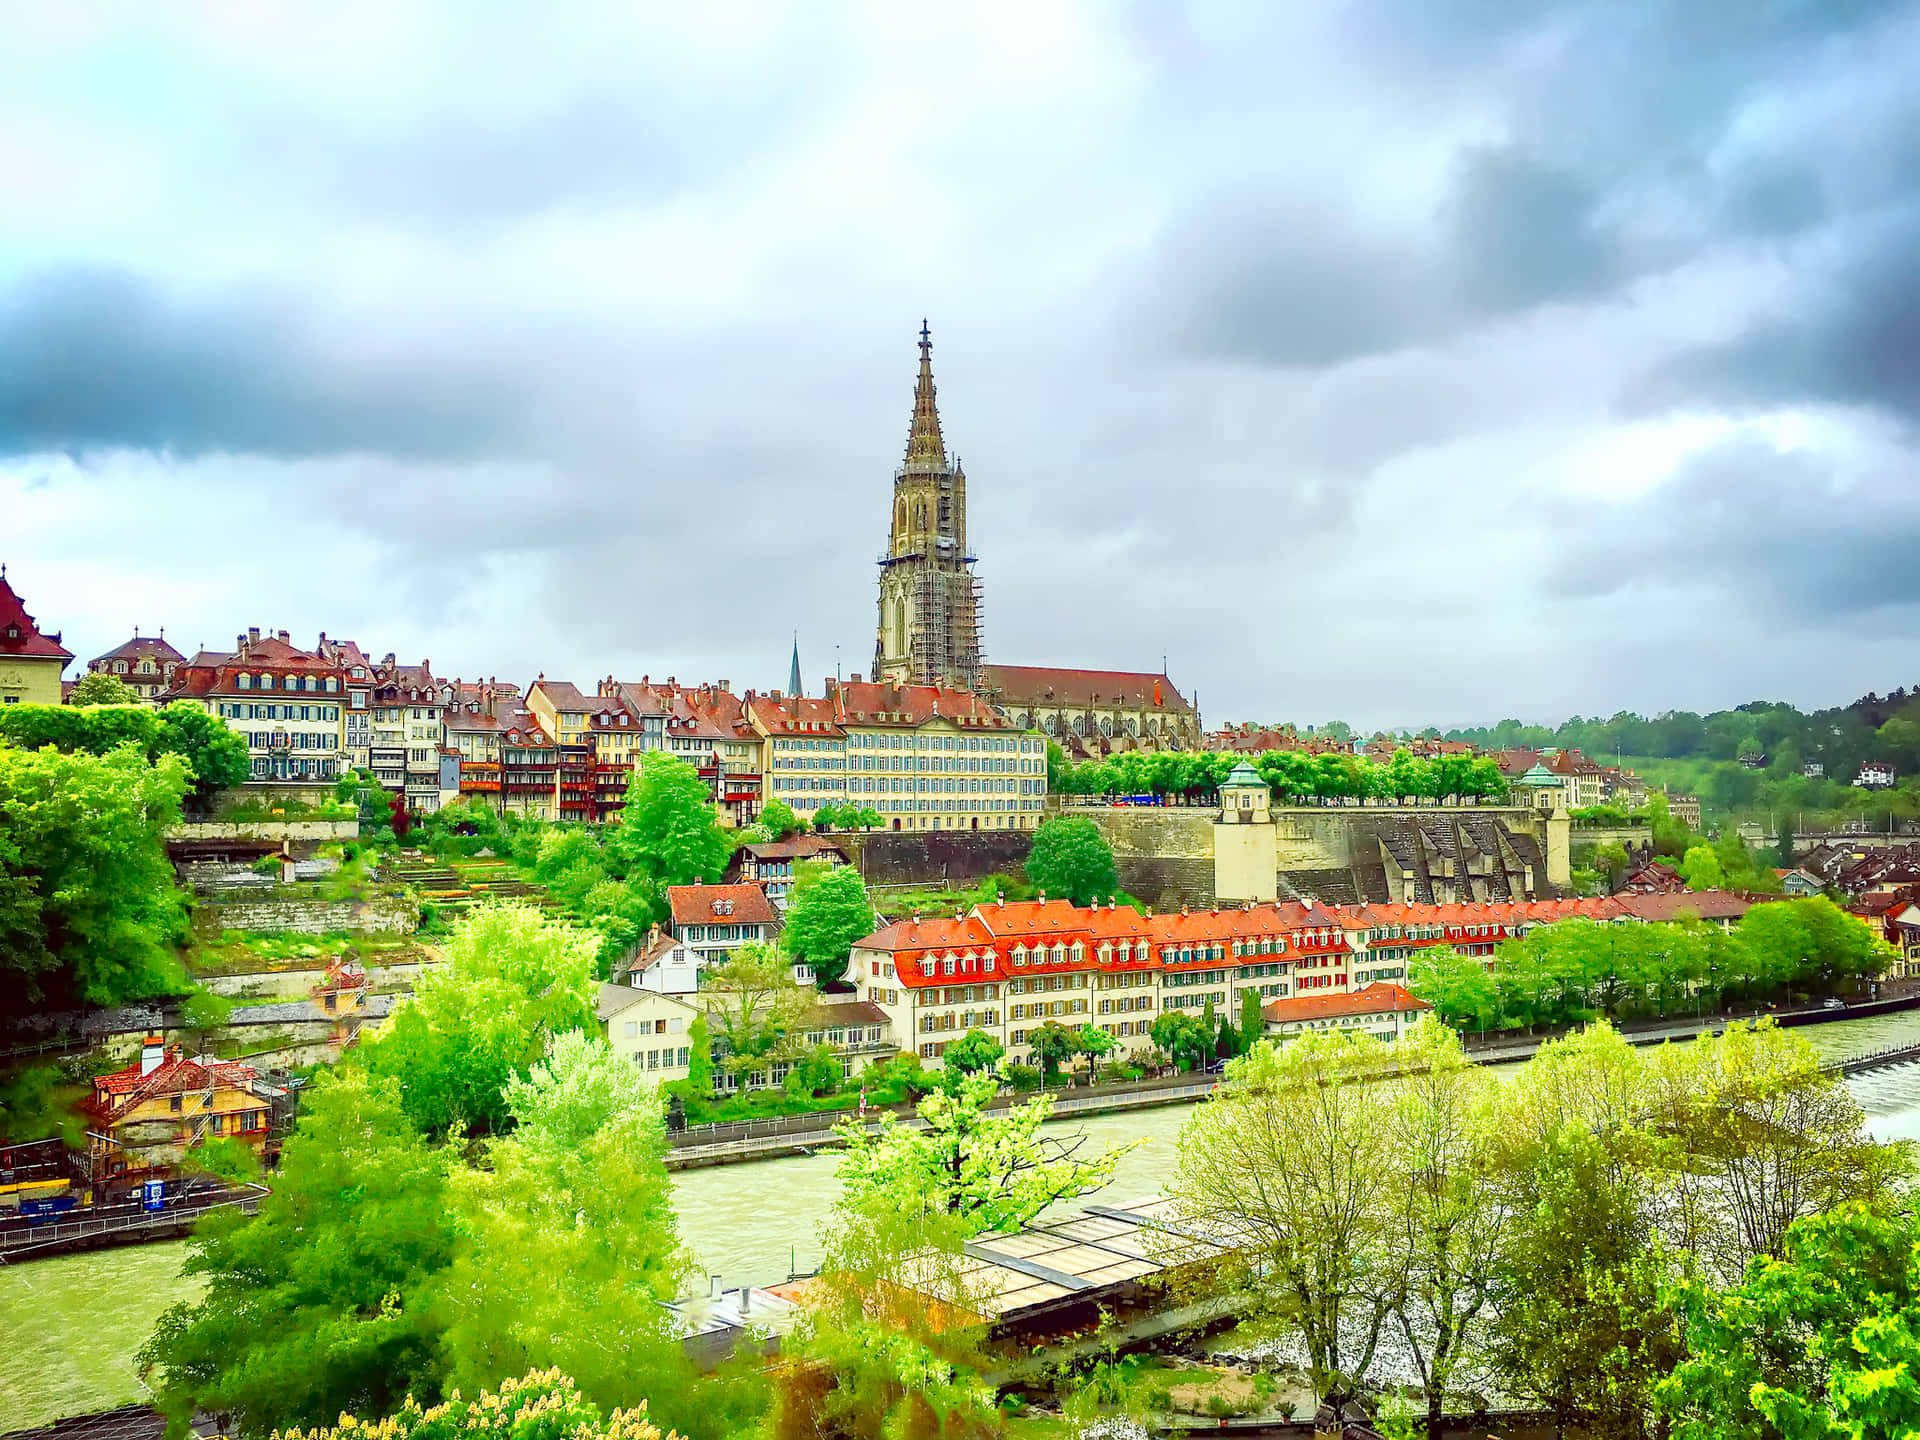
(75,1321)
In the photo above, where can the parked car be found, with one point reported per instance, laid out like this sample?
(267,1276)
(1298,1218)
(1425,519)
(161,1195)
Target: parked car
(1833,1002)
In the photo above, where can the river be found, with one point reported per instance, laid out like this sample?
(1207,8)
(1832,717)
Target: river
(85,1315)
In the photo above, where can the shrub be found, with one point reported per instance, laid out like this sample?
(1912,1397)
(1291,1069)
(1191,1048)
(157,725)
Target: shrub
(1021,1077)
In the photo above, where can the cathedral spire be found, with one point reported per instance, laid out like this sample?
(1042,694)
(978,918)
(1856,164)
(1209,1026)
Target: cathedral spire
(925,448)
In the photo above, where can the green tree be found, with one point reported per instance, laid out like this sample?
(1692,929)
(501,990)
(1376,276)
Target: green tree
(1700,867)
(830,911)
(973,1052)
(861,817)
(512,980)
(987,1171)
(1451,1224)
(826,817)
(753,1004)
(779,819)
(569,1249)
(215,756)
(1071,861)
(699,1079)
(89,911)
(97,687)
(1053,1045)
(1094,1043)
(322,1301)
(669,831)
(1822,1341)
(1291,1152)
(815,1072)
(1180,1037)
(1253,1023)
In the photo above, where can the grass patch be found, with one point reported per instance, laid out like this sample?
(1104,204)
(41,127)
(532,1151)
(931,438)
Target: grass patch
(244,952)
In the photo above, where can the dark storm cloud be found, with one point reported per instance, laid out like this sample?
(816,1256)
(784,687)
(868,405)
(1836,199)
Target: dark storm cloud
(97,359)
(1851,336)
(1760,527)
(1617,171)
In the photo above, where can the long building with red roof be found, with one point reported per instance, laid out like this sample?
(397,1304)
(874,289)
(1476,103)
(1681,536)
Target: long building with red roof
(1009,967)
(31,661)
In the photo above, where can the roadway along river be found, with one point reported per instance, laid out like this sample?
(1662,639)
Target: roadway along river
(747,1224)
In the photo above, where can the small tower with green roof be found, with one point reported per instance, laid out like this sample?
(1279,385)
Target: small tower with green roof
(1245,855)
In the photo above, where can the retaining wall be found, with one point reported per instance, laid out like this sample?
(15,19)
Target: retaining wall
(383,915)
(270,830)
(935,857)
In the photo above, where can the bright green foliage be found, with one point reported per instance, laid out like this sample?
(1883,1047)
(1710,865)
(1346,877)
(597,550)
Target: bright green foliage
(542,1405)
(1180,1036)
(1094,1043)
(88,906)
(1577,969)
(861,817)
(814,1073)
(699,1079)
(972,1052)
(1700,867)
(1053,1044)
(777,817)
(669,832)
(512,980)
(97,687)
(987,1171)
(320,1303)
(577,1190)
(1292,775)
(754,1005)
(1822,1343)
(1071,860)
(215,757)
(1293,1152)
(830,911)
(881,1360)
(1253,1024)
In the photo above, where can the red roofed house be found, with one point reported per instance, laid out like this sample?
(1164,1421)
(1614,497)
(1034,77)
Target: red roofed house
(286,703)
(148,1116)
(145,663)
(30,662)
(770,864)
(715,920)
(1384,1011)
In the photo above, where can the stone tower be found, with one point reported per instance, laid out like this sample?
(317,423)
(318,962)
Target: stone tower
(929,631)
(1245,852)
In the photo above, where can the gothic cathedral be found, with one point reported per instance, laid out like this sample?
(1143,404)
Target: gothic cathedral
(929,598)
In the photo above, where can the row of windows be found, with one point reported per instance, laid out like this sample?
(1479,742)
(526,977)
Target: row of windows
(988,766)
(1042,1009)
(286,768)
(1003,744)
(295,740)
(1196,1002)
(863,785)
(325,713)
(670,1057)
(285,682)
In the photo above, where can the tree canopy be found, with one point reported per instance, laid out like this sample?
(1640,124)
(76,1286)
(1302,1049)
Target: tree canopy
(1071,860)
(829,912)
(669,831)
(89,911)
(215,757)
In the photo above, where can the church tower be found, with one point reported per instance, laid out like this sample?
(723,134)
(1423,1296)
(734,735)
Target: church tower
(929,599)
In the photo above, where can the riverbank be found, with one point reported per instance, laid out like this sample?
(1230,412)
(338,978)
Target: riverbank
(747,1224)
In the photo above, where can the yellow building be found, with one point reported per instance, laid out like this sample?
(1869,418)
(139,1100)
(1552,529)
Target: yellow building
(148,1116)
(31,663)
(930,758)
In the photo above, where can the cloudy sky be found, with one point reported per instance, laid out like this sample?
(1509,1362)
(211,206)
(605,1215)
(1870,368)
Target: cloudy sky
(1391,362)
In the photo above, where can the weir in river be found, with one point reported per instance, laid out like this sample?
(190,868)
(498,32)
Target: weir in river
(747,1223)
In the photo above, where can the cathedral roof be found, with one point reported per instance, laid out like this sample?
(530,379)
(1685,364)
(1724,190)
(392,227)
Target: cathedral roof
(1050,685)
(926,450)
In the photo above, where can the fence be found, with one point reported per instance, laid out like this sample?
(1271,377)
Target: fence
(129,1221)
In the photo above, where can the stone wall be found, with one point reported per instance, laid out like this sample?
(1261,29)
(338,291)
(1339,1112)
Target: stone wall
(383,915)
(271,830)
(935,857)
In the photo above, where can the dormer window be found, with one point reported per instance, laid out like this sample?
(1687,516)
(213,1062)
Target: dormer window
(243,682)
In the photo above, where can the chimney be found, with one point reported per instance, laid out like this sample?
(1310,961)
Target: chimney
(253,632)
(284,639)
(152,1051)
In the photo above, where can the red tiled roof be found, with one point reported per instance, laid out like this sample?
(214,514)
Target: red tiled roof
(1380,998)
(29,641)
(175,1073)
(694,904)
(866,702)
(141,647)
(1706,904)
(795,848)
(1050,685)
(564,695)
(794,715)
